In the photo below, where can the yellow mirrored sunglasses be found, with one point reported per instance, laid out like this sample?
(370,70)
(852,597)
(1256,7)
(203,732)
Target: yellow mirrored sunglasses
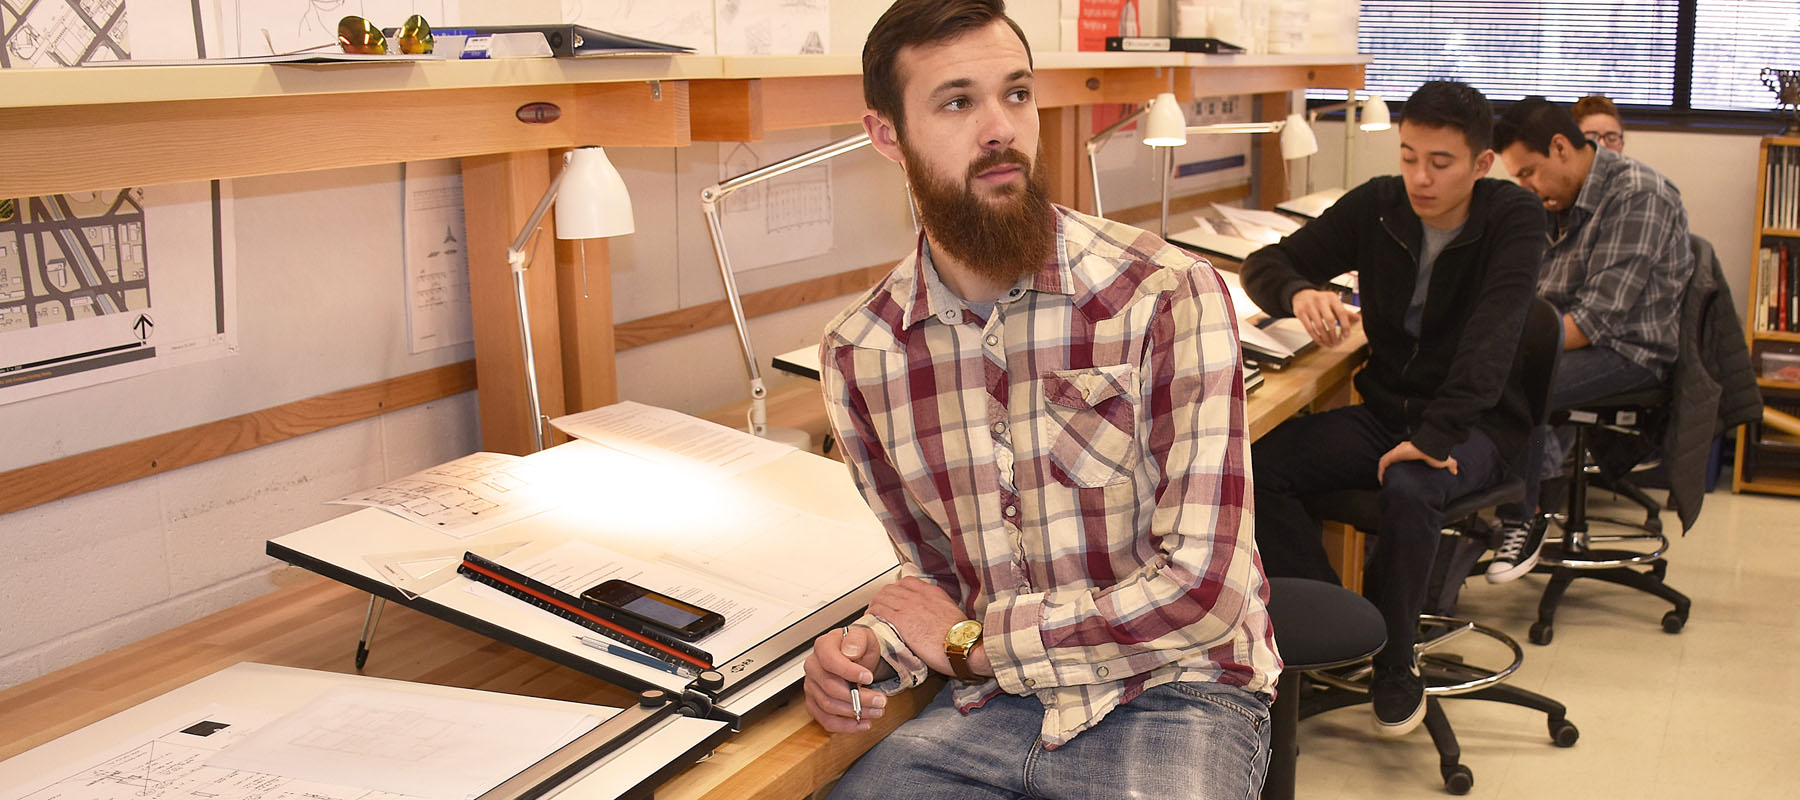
(360,36)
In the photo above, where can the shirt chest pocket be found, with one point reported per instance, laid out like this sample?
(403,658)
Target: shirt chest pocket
(1090,422)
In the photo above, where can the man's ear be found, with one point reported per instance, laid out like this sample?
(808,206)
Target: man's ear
(1484,163)
(882,135)
(1560,148)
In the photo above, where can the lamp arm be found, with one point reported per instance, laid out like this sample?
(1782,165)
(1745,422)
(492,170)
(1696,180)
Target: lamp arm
(710,198)
(1240,127)
(758,392)
(516,257)
(1098,140)
(723,189)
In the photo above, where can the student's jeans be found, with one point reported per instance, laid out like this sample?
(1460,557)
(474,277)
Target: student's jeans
(1205,741)
(1340,450)
(1582,376)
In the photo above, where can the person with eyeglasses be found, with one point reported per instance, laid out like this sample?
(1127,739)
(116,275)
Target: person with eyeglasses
(1599,121)
(1618,261)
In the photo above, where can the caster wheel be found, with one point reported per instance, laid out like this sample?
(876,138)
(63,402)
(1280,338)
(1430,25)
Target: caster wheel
(1458,779)
(1673,622)
(1563,733)
(1543,632)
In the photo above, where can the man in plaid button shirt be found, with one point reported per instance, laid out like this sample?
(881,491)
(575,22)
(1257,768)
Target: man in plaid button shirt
(1046,411)
(1618,262)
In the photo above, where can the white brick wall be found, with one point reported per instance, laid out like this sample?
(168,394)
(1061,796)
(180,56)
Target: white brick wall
(107,568)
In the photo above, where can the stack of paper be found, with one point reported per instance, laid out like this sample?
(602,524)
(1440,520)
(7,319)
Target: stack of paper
(1269,340)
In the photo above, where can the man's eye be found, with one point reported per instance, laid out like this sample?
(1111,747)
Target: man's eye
(957,104)
(1020,95)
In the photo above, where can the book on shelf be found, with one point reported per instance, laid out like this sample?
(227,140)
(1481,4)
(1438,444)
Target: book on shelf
(1782,278)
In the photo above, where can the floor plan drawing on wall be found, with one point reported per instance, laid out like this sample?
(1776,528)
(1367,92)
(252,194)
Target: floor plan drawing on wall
(62,33)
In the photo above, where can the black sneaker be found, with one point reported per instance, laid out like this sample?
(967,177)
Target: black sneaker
(1398,696)
(1517,552)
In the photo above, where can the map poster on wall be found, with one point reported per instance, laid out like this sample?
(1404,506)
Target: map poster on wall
(101,285)
(104,284)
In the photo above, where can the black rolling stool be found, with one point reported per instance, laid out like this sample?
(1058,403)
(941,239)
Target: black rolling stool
(1318,625)
(1640,563)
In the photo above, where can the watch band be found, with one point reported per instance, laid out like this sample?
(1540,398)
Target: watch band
(959,662)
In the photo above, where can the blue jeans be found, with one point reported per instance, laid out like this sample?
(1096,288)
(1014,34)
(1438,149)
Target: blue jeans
(1582,376)
(1204,741)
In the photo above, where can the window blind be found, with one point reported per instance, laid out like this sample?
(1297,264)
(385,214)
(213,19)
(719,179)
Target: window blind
(1509,49)
(1733,41)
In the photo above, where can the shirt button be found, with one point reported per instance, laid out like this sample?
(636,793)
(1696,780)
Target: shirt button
(993,340)
(1030,683)
(950,315)
(999,428)
(1011,511)
(1101,672)
(1015,292)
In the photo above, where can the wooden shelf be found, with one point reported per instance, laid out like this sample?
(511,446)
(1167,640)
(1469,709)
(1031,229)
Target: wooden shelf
(1790,233)
(1788,486)
(1776,336)
(88,128)
(1786,386)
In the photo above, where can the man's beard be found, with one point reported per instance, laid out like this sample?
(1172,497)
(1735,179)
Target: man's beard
(1001,240)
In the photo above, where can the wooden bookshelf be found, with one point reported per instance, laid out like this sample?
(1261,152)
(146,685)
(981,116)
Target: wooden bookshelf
(1767,459)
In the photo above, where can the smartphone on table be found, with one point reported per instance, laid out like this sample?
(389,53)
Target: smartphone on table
(635,606)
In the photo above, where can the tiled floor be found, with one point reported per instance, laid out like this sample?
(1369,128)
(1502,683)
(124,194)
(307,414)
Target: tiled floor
(1711,712)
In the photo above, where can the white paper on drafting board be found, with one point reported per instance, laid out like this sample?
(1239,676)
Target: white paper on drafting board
(683,22)
(443,748)
(782,219)
(164,264)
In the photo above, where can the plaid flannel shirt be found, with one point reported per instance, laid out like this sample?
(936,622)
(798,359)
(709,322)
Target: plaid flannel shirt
(1619,260)
(1074,470)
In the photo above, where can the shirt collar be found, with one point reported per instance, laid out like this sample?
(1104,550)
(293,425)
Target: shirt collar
(1600,173)
(924,295)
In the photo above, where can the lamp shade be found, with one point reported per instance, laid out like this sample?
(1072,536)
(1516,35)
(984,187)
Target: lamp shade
(1297,140)
(1375,114)
(592,202)
(1166,125)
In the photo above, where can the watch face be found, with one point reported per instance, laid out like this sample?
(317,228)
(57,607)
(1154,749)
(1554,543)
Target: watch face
(963,634)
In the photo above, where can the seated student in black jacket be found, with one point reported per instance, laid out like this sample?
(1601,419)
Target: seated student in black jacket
(1448,264)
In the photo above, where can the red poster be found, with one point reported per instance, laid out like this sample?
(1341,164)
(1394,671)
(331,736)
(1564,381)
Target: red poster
(1097,20)
(1102,18)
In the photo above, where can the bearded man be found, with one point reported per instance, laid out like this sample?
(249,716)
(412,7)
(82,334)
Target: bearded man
(1046,412)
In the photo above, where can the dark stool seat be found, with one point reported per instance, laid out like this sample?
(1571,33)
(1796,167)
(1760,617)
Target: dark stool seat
(1318,625)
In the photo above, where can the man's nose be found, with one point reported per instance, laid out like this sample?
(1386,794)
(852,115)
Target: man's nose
(998,131)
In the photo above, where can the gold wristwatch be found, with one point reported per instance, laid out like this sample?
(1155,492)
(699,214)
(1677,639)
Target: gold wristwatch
(962,637)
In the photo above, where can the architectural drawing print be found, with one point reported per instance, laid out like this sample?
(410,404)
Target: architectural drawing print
(683,22)
(73,256)
(62,33)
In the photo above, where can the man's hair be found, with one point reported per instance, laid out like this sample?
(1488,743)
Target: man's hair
(1453,104)
(1594,104)
(1532,121)
(910,23)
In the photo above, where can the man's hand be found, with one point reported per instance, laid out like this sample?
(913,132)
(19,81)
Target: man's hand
(922,614)
(1407,451)
(840,658)
(1325,316)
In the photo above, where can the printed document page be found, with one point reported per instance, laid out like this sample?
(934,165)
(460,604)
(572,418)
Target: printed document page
(170,761)
(659,434)
(471,495)
(440,748)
